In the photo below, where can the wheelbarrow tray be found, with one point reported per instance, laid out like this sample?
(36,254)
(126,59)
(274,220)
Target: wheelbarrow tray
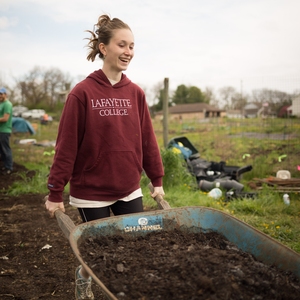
(191,219)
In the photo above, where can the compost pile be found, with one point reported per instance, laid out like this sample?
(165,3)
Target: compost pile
(183,265)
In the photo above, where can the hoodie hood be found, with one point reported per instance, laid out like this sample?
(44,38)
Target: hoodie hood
(102,79)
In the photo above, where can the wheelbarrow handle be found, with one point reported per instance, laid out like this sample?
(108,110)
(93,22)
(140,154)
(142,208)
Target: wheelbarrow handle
(161,202)
(64,222)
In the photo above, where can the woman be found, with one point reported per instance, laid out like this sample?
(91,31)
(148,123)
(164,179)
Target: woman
(105,139)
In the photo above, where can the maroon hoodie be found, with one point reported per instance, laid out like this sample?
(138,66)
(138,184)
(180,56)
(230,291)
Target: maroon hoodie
(105,141)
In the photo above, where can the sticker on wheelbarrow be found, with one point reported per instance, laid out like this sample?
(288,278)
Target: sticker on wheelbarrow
(149,223)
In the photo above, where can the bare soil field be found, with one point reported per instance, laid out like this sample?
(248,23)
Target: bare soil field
(37,261)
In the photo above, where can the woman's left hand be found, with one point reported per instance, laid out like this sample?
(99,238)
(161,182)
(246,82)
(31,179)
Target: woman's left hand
(158,190)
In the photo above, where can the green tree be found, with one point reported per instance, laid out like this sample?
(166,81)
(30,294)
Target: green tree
(181,94)
(184,94)
(195,95)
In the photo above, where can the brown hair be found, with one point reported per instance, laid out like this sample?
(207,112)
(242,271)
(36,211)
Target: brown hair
(102,33)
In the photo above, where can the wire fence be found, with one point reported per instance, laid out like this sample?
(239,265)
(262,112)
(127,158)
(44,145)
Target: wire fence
(271,143)
(268,128)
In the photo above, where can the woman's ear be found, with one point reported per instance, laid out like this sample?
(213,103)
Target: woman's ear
(102,49)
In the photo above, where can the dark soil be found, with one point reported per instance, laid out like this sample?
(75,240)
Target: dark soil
(177,264)
(37,261)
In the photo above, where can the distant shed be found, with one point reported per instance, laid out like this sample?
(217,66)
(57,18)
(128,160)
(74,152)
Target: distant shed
(295,107)
(193,111)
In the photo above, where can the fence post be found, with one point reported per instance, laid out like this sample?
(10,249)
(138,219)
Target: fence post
(165,111)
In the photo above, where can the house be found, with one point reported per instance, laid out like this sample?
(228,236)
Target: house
(235,114)
(285,111)
(251,110)
(192,112)
(295,107)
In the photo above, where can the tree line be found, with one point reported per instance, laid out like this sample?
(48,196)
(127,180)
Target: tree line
(226,98)
(39,88)
(45,88)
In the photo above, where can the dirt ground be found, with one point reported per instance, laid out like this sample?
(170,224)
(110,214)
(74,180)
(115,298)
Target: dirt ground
(36,259)
(38,263)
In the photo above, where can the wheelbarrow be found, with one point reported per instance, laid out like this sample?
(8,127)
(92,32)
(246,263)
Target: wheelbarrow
(194,219)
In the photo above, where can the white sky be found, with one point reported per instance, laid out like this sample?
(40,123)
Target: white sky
(246,44)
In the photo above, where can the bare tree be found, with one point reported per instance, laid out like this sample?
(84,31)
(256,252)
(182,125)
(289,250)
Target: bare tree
(152,94)
(239,101)
(155,92)
(273,98)
(41,86)
(32,87)
(54,82)
(155,97)
(210,96)
(227,94)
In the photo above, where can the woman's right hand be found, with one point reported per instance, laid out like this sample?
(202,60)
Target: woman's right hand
(53,206)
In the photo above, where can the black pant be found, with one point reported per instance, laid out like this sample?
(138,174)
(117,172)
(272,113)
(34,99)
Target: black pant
(5,151)
(118,208)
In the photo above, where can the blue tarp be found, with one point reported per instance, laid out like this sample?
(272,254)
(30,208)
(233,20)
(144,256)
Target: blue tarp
(21,125)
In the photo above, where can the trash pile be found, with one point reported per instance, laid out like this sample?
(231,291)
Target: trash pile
(211,175)
(34,142)
(279,184)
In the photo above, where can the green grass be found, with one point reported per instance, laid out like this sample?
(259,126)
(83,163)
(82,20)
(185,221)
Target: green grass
(215,142)
(35,185)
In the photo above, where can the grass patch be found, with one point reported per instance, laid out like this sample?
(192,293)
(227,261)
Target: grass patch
(34,185)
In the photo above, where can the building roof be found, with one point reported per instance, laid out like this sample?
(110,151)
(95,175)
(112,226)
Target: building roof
(191,108)
(250,106)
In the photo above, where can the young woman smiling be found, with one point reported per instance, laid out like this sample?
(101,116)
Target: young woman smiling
(105,139)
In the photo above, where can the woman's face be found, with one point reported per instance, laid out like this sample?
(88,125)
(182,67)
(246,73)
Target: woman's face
(120,50)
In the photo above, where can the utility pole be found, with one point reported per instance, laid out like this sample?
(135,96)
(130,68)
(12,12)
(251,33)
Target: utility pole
(242,89)
(242,102)
(166,111)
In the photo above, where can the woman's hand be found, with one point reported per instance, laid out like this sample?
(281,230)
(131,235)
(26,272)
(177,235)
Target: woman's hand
(53,206)
(158,190)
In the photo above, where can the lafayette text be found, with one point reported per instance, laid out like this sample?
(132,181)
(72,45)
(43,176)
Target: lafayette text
(111,106)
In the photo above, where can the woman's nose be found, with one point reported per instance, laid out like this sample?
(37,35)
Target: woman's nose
(128,51)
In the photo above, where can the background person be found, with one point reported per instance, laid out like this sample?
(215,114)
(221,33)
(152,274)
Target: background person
(5,132)
(45,119)
(105,139)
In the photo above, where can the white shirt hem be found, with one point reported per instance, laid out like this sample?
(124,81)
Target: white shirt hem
(83,203)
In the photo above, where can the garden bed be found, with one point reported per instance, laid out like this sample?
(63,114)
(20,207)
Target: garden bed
(37,261)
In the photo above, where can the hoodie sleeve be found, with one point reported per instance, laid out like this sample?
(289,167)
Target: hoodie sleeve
(70,133)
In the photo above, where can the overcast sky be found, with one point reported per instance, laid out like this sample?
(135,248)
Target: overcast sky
(246,44)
